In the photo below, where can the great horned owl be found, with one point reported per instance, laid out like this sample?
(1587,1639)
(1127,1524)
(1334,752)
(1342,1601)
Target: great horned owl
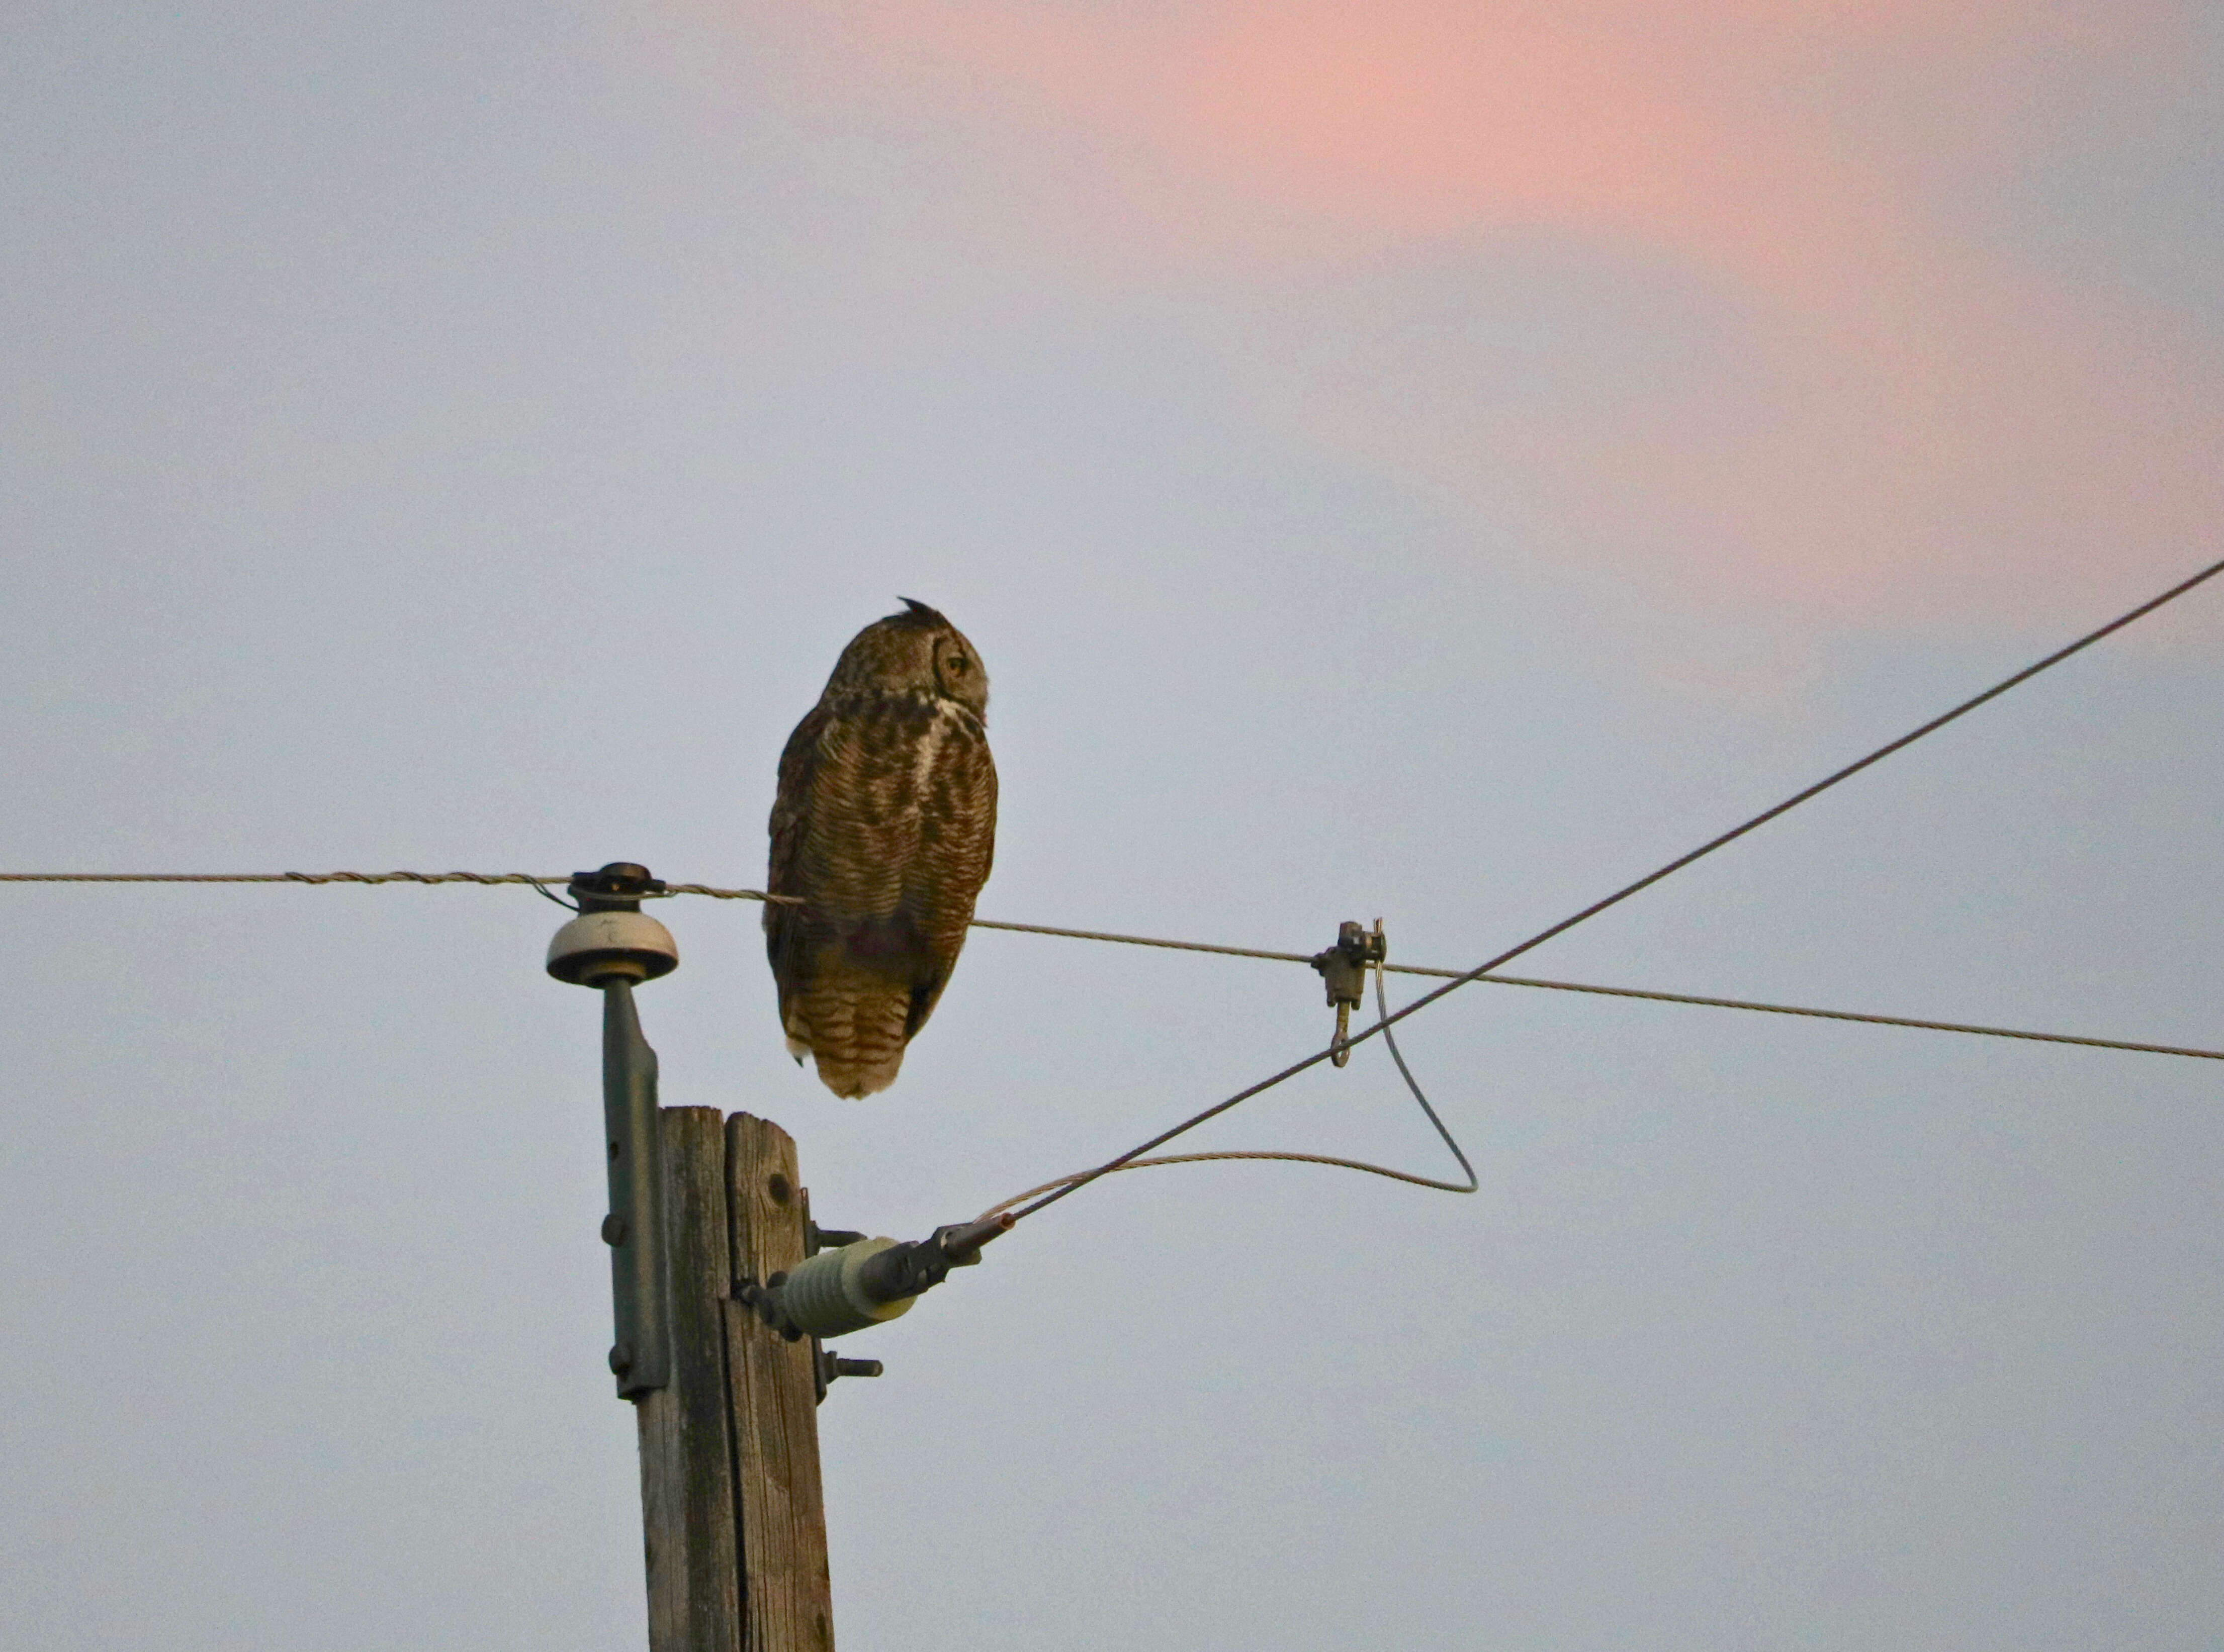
(884,827)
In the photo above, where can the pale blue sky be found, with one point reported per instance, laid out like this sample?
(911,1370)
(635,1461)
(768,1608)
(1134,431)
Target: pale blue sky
(450,436)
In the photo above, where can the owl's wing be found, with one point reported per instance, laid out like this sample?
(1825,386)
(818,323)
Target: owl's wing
(957,846)
(845,829)
(790,825)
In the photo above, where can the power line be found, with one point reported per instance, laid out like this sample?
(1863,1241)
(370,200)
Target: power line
(286,877)
(1817,788)
(1649,994)
(1860,1017)
(1056,1191)
(541,884)
(1863,1017)
(1627,890)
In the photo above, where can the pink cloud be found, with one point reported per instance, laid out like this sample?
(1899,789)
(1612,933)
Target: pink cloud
(1911,422)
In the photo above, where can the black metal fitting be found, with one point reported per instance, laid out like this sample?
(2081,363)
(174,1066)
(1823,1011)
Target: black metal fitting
(832,1364)
(763,1301)
(621,886)
(817,1239)
(904,1269)
(826,1365)
(920,1264)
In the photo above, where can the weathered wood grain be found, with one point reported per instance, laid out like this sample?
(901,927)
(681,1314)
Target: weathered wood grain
(686,1444)
(789,1601)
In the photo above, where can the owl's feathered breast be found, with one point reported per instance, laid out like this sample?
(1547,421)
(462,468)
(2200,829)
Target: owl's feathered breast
(885,827)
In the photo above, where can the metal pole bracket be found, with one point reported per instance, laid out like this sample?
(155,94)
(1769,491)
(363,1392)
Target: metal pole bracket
(610,946)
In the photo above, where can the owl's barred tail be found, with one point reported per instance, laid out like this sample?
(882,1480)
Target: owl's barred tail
(855,1030)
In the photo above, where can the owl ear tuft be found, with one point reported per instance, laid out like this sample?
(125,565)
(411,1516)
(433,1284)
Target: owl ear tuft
(918,612)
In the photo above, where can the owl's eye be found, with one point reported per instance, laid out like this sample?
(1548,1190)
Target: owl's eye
(957,663)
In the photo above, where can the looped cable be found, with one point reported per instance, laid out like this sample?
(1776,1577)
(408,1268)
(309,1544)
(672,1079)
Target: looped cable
(1382,1009)
(1066,1184)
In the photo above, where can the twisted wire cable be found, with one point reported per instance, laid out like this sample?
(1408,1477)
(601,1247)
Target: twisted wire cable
(284,877)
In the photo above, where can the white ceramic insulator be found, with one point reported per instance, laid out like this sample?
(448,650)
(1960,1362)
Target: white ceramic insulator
(825,1297)
(594,944)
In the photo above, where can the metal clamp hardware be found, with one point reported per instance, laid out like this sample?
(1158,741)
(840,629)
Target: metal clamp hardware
(621,886)
(906,1270)
(1343,968)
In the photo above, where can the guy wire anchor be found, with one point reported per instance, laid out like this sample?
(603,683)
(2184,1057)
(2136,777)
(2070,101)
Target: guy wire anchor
(1344,968)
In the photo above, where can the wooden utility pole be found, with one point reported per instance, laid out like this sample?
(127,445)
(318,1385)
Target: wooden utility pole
(731,1509)
(706,1213)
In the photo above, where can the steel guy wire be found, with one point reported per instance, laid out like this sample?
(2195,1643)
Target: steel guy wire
(1627,890)
(1648,994)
